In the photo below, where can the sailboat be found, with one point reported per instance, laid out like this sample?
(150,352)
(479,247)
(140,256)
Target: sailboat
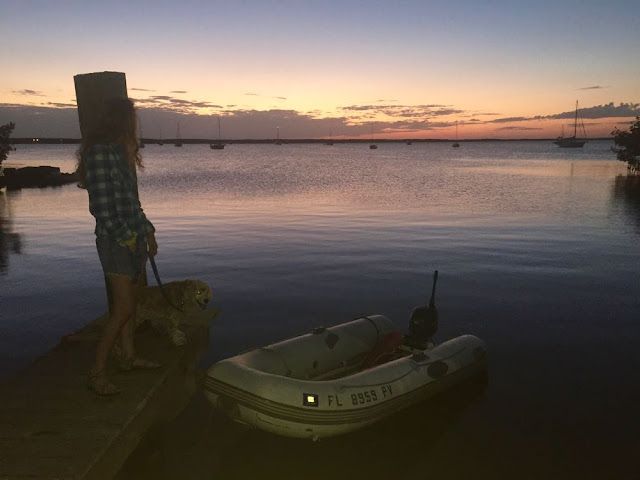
(330,141)
(178,136)
(278,141)
(373,146)
(456,144)
(160,141)
(574,141)
(219,145)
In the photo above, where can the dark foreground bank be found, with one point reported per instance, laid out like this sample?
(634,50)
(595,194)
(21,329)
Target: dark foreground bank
(38,177)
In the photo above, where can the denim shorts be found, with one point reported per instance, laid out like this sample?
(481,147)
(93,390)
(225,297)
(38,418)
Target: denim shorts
(119,260)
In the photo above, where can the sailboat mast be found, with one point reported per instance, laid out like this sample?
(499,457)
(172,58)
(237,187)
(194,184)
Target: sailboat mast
(140,141)
(575,123)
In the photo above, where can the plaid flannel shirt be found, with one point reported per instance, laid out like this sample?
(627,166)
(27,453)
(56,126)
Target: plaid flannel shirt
(113,194)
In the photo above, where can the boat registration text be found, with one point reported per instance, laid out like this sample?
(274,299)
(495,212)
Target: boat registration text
(360,398)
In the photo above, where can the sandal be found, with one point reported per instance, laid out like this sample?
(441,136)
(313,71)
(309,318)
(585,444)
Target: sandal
(126,364)
(136,363)
(99,385)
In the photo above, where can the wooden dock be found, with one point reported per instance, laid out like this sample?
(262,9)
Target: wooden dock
(53,427)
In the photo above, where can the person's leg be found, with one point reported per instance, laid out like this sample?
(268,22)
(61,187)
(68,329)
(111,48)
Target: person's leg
(129,360)
(123,304)
(127,348)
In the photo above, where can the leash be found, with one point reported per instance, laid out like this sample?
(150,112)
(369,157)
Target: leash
(164,294)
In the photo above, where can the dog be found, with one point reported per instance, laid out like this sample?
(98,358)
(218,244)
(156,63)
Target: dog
(187,295)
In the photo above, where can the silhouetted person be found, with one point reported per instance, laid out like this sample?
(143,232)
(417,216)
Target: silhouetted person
(107,162)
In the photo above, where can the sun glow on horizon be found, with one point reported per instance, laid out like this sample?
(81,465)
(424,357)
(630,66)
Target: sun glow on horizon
(412,72)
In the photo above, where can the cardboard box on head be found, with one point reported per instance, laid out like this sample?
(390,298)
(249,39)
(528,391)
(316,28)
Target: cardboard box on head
(92,89)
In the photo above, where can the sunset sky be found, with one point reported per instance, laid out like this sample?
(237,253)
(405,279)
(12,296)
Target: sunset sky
(404,69)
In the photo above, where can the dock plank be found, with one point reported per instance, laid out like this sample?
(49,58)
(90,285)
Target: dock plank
(53,426)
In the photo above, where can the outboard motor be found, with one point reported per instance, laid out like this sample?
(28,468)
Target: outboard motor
(423,322)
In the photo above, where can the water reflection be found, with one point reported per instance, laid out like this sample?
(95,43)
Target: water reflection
(626,193)
(10,242)
(392,448)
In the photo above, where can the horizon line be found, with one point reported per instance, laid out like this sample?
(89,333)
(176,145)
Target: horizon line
(167,141)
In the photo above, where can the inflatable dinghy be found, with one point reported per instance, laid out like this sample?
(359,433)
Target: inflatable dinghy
(339,379)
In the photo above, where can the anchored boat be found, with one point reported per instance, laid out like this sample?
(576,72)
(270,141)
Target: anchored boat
(219,145)
(339,379)
(573,141)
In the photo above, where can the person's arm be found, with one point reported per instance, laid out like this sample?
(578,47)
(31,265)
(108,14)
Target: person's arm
(103,177)
(148,228)
(152,244)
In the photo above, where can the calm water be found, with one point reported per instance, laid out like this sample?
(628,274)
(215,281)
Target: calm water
(537,252)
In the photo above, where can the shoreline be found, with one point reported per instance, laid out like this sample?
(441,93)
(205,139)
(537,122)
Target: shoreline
(195,141)
(34,177)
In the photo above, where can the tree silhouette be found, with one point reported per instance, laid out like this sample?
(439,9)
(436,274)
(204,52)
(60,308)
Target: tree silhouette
(627,147)
(5,144)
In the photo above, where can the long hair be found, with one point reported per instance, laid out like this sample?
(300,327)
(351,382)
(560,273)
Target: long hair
(117,124)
